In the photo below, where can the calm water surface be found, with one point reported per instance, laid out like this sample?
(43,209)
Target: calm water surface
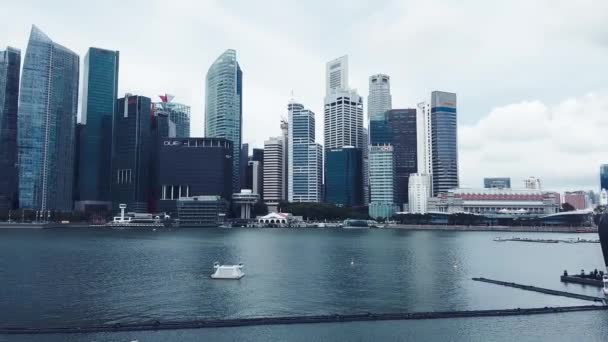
(71,277)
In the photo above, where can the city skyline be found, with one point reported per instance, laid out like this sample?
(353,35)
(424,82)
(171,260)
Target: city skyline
(484,103)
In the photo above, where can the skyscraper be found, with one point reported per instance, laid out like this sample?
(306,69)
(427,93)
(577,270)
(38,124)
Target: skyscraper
(258,156)
(10,64)
(177,112)
(444,141)
(379,99)
(420,183)
(244,163)
(273,170)
(305,167)
(336,74)
(47,122)
(343,121)
(132,152)
(382,181)
(604,176)
(343,183)
(224,106)
(100,87)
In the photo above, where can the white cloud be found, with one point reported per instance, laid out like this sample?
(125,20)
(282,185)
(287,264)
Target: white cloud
(563,144)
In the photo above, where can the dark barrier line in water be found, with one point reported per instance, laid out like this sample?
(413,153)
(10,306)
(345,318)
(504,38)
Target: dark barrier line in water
(219,323)
(541,290)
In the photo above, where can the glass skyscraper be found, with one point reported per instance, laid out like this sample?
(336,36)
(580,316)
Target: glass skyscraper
(100,87)
(343,176)
(177,112)
(305,169)
(224,106)
(10,64)
(604,176)
(132,154)
(444,141)
(47,123)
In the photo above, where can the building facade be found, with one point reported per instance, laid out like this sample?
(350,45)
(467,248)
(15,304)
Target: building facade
(224,106)
(10,66)
(336,74)
(604,176)
(273,170)
(343,120)
(305,163)
(100,87)
(532,183)
(244,163)
(497,182)
(257,155)
(132,154)
(495,201)
(379,99)
(178,113)
(343,176)
(382,181)
(193,167)
(419,188)
(47,124)
(201,211)
(254,177)
(578,199)
(444,141)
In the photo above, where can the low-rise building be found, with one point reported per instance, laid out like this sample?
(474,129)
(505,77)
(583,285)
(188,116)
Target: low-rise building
(201,211)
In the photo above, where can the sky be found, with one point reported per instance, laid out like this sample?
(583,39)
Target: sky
(531,76)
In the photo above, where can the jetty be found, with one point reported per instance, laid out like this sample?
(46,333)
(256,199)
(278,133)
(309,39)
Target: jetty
(542,290)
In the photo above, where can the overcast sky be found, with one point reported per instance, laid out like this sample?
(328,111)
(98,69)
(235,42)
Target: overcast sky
(531,76)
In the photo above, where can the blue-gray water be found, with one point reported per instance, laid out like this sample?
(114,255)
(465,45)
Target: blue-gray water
(71,277)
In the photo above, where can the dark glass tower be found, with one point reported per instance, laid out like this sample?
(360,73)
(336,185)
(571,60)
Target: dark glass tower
(132,151)
(444,141)
(604,176)
(343,176)
(10,64)
(100,84)
(224,106)
(243,165)
(47,123)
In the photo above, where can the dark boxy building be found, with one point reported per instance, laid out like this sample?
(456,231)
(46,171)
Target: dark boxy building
(604,176)
(398,128)
(132,150)
(497,183)
(344,176)
(193,167)
(10,63)
(99,96)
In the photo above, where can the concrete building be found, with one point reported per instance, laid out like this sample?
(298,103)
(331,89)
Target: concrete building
(48,106)
(532,183)
(497,182)
(191,167)
(95,148)
(201,211)
(343,183)
(419,188)
(578,199)
(273,170)
(132,154)
(336,74)
(254,177)
(420,183)
(382,182)
(245,200)
(379,99)
(10,64)
(495,201)
(305,165)
(224,106)
(343,120)
(444,141)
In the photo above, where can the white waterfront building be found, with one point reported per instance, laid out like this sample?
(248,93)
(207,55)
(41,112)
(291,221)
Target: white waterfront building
(420,183)
(273,170)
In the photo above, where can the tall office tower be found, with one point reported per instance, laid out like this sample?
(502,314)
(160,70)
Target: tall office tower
(379,99)
(444,141)
(243,165)
(382,181)
(336,74)
(497,182)
(99,94)
(285,137)
(47,122)
(365,166)
(258,155)
(532,183)
(343,183)
(10,64)
(305,156)
(254,177)
(132,153)
(224,106)
(343,121)
(177,112)
(401,128)
(604,176)
(273,170)
(420,183)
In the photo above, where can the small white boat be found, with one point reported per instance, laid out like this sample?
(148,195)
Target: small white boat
(227,271)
